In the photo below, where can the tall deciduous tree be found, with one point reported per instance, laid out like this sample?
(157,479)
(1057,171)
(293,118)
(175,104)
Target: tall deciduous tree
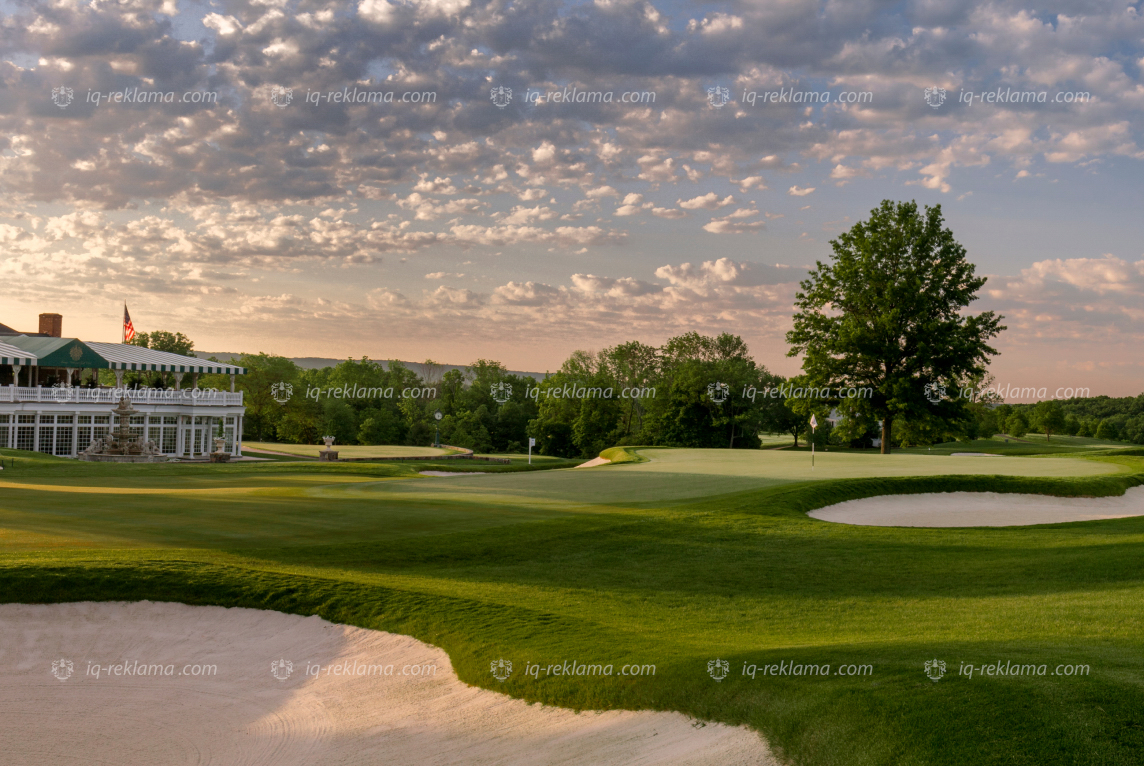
(1049,417)
(886,312)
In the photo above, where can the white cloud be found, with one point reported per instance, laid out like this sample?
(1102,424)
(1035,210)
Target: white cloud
(708,201)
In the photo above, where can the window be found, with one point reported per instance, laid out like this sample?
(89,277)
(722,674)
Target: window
(154,434)
(25,437)
(100,432)
(64,419)
(155,420)
(26,418)
(63,441)
(169,420)
(168,445)
(47,418)
(85,420)
(3,418)
(46,439)
(230,420)
(83,437)
(102,419)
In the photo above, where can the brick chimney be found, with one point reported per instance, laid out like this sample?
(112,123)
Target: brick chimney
(52,324)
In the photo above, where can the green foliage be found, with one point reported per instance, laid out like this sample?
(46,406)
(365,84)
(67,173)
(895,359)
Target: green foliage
(265,375)
(887,313)
(1049,418)
(1107,430)
(1016,425)
(1072,426)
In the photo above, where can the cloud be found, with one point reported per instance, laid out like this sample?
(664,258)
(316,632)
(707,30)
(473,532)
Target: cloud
(797,191)
(709,201)
(734,223)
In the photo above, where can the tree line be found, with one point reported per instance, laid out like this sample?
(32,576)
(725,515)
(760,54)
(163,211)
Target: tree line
(693,391)
(882,329)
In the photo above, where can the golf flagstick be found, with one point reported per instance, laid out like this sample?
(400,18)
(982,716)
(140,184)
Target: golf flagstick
(813,425)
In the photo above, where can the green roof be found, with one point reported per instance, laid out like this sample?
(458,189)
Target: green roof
(74,353)
(59,352)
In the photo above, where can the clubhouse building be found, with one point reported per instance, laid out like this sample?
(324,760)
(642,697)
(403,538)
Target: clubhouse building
(51,399)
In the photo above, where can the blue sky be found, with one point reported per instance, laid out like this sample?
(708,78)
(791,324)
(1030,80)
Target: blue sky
(260,220)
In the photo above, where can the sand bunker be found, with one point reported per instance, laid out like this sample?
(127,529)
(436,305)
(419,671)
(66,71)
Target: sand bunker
(179,711)
(979,509)
(594,462)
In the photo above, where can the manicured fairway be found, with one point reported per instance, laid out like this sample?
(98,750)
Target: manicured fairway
(675,475)
(348,451)
(692,557)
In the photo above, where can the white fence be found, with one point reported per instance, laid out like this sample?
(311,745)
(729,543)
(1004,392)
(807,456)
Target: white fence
(207,397)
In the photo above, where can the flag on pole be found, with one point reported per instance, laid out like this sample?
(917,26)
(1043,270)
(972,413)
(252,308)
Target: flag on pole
(813,422)
(128,328)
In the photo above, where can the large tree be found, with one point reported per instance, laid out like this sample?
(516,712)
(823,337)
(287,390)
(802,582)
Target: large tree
(887,313)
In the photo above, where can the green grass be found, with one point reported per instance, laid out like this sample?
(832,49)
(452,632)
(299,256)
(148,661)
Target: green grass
(1030,444)
(347,450)
(688,556)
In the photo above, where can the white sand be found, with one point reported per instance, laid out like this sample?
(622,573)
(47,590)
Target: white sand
(243,715)
(979,509)
(594,462)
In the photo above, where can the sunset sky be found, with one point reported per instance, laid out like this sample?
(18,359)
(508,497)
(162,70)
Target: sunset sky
(522,229)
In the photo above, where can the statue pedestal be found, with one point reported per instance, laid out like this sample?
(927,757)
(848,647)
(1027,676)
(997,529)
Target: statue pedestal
(328,455)
(220,457)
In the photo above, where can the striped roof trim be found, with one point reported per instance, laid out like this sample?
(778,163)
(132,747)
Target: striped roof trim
(12,355)
(122,356)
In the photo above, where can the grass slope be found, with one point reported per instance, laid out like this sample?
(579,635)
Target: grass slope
(569,565)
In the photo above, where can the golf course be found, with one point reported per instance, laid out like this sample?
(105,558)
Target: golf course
(688,560)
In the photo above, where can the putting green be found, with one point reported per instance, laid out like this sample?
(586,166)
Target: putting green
(348,450)
(678,475)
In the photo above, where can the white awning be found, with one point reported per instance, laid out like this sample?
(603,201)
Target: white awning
(13,355)
(122,356)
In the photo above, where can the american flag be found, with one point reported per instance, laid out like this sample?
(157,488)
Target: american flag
(128,328)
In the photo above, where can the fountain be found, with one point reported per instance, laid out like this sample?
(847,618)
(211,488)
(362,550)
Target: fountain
(122,446)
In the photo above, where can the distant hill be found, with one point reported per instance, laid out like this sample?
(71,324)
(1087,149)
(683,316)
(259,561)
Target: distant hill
(317,363)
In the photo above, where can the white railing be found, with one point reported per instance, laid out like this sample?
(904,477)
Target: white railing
(206,397)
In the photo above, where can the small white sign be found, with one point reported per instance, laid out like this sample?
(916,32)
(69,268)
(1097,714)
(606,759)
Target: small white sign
(531,442)
(813,422)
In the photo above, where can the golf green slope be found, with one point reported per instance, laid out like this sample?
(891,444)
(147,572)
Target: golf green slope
(690,558)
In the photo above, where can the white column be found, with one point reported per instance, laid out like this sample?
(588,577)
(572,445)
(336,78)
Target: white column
(36,433)
(232,382)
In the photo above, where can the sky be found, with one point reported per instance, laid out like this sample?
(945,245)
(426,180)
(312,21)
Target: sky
(460,179)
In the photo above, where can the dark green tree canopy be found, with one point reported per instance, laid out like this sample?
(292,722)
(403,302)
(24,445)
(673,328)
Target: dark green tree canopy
(888,312)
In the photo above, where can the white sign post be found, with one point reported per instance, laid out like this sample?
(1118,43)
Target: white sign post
(531,444)
(813,425)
